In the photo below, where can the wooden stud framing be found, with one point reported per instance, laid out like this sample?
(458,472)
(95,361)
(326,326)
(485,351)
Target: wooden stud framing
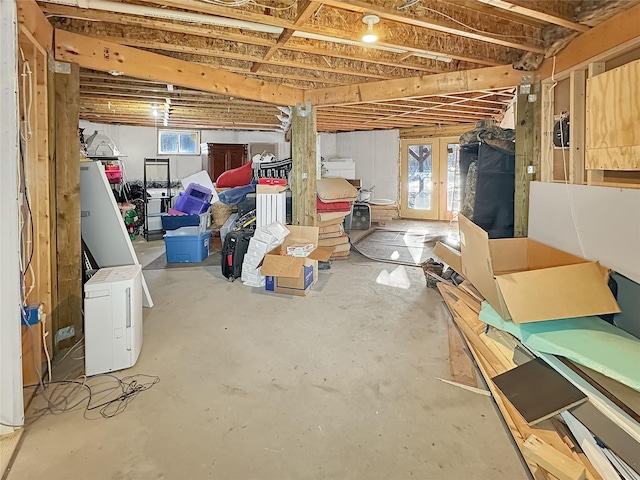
(577,104)
(35,25)
(526,127)
(67,162)
(546,137)
(303,153)
(108,56)
(595,176)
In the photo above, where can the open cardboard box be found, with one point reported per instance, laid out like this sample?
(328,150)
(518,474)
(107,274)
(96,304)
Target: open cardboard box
(527,281)
(294,275)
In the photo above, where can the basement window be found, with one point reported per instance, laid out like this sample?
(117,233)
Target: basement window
(184,142)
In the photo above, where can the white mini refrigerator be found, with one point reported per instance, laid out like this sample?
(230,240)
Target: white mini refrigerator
(112,319)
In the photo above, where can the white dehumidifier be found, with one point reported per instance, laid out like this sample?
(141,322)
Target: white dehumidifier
(112,319)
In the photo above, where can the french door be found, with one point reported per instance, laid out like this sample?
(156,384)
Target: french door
(429,178)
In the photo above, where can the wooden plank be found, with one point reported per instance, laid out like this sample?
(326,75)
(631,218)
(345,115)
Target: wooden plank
(67,163)
(538,15)
(461,367)
(612,137)
(35,24)
(577,124)
(438,131)
(32,354)
(53,219)
(546,127)
(471,302)
(442,83)
(108,56)
(517,425)
(525,141)
(554,462)
(596,68)
(537,391)
(303,153)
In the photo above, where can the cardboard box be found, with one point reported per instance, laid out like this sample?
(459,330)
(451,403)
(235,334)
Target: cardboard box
(527,281)
(270,189)
(294,275)
(450,256)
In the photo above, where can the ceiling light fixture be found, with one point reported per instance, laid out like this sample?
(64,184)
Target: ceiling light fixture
(370,20)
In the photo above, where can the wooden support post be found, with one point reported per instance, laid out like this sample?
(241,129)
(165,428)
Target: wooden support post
(303,154)
(526,127)
(577,104)
(595,176)
(42,192)
(67,162)
(53,219)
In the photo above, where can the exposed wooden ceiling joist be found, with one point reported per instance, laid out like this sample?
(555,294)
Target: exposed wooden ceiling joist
(538,15)
(431,24)
(329,32)
(108,56)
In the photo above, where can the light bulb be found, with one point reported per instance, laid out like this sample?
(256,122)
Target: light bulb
(369,37)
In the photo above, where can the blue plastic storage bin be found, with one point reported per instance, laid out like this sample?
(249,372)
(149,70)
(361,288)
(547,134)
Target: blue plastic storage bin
(187,248)
(191,205)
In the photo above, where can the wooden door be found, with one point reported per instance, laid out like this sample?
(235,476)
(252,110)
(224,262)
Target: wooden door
(225,156)
(429,178)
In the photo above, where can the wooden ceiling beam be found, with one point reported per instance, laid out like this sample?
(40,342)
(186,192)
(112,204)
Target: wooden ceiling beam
(35,25)
(447,27)
(442,83)
(538,15)
(209,52)
(108,56)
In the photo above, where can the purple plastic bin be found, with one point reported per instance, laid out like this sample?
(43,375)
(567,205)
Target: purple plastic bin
(191,205)
(199,192)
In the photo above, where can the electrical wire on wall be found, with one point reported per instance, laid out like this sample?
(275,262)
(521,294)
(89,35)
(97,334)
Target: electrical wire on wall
(550,156)
(91,394)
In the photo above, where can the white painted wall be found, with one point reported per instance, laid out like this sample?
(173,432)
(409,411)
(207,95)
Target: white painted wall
(138,143)
(376,154)
(11,402)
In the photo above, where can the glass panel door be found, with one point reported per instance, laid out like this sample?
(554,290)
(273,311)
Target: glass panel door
(450,186)
(419,177)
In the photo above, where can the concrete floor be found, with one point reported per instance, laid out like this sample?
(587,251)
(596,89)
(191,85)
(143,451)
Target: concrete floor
(338,385)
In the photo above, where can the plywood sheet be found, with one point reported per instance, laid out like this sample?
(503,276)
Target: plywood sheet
(612,134)
(537,391)
(596,223)
(460,364)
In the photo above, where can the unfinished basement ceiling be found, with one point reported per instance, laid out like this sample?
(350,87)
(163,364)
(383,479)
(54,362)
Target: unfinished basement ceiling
(309,45)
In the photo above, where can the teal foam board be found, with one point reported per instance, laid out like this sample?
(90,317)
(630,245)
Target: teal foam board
(589,341)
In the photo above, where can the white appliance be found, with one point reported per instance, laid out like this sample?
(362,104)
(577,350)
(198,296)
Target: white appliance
(112,319)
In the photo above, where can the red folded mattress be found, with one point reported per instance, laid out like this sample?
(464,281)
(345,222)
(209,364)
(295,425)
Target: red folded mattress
(332,207)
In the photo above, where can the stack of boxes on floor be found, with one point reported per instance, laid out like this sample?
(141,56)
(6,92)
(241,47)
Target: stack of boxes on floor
(264,240)
(187,238)
(335,196)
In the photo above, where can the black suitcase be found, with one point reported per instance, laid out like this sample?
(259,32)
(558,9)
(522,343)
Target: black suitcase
(233,251)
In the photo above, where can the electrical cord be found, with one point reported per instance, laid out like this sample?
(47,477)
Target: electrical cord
(70,395)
